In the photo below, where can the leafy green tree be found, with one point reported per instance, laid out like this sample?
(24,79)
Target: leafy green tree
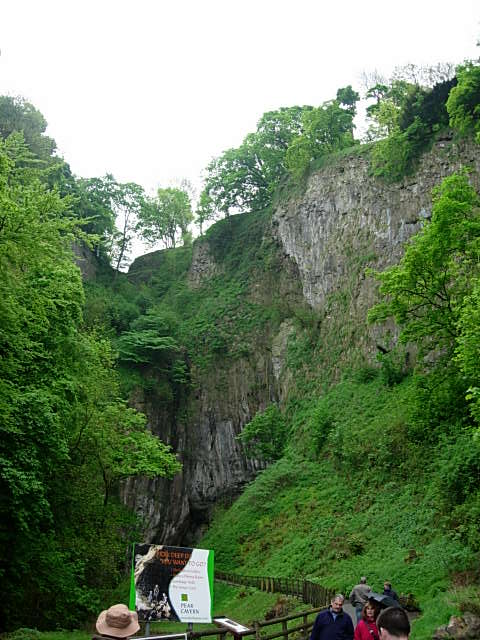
(152,344)
(66,438)
(16,114)
(245,178)
(348,98)
(325,129)
(433,296)
(468,345)
(95,203)
(41,300)
(426,290)
(463,104)
(385,112)
(150,339)
(128,202)
(408,115)
(164,217)
(109,434)
(265,436)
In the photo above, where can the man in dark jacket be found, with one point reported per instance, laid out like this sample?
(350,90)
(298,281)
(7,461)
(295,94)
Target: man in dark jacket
(388,591)
(333,623)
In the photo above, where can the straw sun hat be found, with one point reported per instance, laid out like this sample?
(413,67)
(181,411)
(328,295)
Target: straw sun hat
(118,622)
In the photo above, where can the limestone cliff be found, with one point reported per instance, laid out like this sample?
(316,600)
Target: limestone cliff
(324,240)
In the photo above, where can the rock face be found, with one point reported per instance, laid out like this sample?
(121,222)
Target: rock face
(203,265)
(346,213)
(460,628)
(214,466)
(343,223)
(86,261)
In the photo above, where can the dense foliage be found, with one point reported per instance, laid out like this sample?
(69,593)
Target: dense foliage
(162,217)
(364,467)
(284,144)
(67,437)
(380,471)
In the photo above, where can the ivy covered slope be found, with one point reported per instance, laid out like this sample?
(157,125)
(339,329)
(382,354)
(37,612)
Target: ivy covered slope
(376,469)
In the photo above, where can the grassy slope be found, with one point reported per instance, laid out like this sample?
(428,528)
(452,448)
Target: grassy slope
(355,491)
(359,506)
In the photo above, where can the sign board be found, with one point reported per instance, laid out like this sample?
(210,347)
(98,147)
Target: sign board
(172,583)
(231,625)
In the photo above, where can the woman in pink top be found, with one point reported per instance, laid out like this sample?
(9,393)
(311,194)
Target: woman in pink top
(366,628)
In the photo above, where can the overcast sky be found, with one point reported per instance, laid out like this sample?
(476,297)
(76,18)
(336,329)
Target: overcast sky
(151,90)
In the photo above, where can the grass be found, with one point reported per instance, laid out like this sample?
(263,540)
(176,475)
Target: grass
(357,493)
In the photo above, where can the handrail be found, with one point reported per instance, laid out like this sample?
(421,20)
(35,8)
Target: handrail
(266,623)
(310,592)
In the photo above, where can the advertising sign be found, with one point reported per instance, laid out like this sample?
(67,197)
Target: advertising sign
(172,583)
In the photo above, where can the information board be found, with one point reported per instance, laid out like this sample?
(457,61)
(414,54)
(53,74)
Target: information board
(172,583)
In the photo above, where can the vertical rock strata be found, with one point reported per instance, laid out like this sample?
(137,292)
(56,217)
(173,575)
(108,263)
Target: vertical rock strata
(345,215)
(344,222)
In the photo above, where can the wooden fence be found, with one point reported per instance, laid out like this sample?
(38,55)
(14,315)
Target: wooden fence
(299,630)
(293,627)
(312,593)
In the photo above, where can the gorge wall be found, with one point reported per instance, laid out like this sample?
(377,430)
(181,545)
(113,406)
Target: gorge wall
(324,239)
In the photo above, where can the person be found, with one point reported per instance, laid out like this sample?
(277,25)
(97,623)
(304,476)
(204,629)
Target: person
(333,623)
(393,624)
(388,591)
(359,596)
(117,622)
(366,628)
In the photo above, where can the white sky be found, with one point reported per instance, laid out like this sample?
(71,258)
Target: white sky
(152,90)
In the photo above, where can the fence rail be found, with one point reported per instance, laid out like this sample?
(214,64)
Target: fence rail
(310,592)
(300,631)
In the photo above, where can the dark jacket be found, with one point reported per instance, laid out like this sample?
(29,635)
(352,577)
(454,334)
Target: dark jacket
(326,628)
(391,593)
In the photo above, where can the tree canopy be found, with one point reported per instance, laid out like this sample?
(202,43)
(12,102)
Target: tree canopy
(245,178)
(165,217)
(66,436)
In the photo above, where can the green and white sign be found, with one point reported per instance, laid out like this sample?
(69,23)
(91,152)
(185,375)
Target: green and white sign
(172,583)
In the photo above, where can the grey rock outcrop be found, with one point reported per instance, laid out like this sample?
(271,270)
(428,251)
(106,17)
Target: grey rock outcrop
(459,627)
(346,214)
(345,222)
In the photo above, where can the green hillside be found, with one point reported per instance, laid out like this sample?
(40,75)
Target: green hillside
(374,466)
(363,431)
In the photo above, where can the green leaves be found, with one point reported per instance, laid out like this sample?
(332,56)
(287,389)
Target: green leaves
(324,129)
(66,439)
(266,435)
(463,104)
(166,215)
(433,294)
(244,179)
(425,291)
(151,339)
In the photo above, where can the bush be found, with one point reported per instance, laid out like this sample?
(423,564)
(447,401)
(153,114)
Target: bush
(266,435)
